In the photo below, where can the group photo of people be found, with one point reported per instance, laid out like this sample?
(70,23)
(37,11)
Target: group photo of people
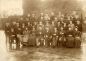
(44,30)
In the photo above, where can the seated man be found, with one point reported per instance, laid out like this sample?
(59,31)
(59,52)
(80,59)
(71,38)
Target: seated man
(62,39)
(77,35)
(55,38)
(7,32)
(13,39)
(70,38)
(40,34)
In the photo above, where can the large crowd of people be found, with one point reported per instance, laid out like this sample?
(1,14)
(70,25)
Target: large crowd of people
(45,31)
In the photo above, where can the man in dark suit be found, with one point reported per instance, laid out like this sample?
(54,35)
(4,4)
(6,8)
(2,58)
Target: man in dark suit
(7,33)
(77,35)
(70,38)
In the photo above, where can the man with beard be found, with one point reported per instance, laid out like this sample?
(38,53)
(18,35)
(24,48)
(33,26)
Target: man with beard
(55,37)
(19,35)
(52,16)
(79,25)
(62,39)
(47,34)
(71,25)
(29,26)
(33,19)
(7,32)
(77,35)
(13,39)
(70,38)
(29,17)
(40,34)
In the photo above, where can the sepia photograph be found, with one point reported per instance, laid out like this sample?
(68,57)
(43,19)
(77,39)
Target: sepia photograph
(42,30)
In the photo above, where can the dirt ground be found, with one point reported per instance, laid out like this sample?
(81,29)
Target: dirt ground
(42,53)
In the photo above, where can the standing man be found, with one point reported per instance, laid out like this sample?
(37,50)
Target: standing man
(40,34)
(55,37)
(77,35)
(7,32)
(70,38)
